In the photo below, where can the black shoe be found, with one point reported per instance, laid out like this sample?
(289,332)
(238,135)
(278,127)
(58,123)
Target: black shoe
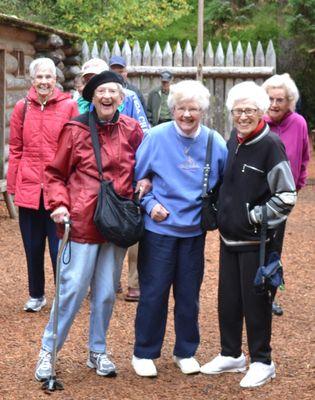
(119,289)
(276,309)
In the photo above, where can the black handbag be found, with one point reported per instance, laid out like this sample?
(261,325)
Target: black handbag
(270,276)
(209,205)
(117,218)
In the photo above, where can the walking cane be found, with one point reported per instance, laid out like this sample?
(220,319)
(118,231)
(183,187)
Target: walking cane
(52,384)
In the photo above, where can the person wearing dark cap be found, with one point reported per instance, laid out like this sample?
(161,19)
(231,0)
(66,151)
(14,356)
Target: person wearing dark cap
(72,191)
(118,64)
(157,108)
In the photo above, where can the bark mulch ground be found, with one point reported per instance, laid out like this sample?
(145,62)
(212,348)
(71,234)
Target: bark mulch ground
(292,342)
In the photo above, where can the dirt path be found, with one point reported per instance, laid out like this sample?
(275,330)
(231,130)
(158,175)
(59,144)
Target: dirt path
(293,333)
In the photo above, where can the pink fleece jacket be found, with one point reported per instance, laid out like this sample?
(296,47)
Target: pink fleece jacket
(293,132)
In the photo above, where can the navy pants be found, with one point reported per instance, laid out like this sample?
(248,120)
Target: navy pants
(238,300)
(36,226)
(164,261)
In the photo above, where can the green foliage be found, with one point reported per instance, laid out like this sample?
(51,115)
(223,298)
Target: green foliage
(294,54)
(218,14)
(301,20)
(102,20)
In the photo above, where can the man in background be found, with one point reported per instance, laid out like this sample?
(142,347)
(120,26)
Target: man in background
(118,64)
(157,108)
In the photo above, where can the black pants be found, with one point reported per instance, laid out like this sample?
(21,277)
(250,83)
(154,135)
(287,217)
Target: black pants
(237,299)
(35,226)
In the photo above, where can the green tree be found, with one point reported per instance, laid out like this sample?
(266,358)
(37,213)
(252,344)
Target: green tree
(294,54)
(102,19)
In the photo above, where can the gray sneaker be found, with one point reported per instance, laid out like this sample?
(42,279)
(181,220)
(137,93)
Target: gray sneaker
(43,366)
(34,305)
(104,366)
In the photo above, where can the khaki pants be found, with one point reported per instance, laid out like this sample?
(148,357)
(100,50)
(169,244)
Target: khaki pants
(133,281)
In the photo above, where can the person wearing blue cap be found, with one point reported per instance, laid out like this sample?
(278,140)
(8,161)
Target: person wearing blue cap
(157,108)
(118,64)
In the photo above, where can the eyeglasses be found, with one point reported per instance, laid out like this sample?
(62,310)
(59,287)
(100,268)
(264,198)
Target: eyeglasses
(191,111)
(102,92)
(280,100)
(249,112)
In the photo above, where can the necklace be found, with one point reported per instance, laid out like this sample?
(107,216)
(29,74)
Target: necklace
(183,142)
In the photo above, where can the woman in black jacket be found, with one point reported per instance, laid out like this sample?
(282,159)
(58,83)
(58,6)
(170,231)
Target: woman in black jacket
(257,174)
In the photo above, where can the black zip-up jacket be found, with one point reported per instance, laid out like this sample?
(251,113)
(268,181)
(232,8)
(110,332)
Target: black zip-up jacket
(257,173)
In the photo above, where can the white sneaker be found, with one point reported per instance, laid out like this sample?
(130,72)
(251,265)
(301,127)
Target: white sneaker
(187,365)
(144,366)
(34,305)
(222,364)
(101,362)
(43,366)
(258,374)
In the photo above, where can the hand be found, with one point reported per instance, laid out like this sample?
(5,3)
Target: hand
(59,214)
(143,187)
(159,213)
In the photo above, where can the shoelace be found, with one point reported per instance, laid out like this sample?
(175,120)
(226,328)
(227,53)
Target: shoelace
(45,363)
(102,359)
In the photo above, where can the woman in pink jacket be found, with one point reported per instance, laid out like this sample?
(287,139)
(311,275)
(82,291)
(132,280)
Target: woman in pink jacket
(35,125)
(292,129)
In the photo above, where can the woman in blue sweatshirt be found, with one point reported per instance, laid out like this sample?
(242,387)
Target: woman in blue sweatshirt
(172,250)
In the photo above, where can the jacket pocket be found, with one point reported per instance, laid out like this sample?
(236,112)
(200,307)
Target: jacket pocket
(252,168)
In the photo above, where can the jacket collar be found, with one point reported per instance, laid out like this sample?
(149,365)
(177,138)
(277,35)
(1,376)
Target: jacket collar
(259,136)
(283,122)
(57,95)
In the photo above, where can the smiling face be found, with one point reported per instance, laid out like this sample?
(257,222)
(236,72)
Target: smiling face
(246,117)
(106,99)
(44,82)
(279,104)
(187,115)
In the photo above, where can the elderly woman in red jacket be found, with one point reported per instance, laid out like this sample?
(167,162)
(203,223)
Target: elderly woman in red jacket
(35,125)
(73,185)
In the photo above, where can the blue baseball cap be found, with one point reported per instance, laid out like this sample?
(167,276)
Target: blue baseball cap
(117,60)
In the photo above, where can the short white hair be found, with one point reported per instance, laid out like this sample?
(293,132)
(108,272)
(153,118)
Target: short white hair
(285,82)
(248,91)
(42,62)
(189,90)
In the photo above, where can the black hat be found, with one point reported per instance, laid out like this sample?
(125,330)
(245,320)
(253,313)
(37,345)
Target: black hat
(166,76)
(97,80)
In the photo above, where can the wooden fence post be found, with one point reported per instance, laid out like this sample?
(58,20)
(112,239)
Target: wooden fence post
(221,69)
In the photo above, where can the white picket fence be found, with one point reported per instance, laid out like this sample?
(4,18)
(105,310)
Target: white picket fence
(221,69)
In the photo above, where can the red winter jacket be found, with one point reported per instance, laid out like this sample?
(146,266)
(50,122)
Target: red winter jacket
(34,134)
(72,177)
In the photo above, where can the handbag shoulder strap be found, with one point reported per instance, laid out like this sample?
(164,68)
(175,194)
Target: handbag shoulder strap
(95,143)
(207,167)
(263,236)
(24,112)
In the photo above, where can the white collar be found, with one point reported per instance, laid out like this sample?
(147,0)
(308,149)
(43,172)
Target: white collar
(181,133)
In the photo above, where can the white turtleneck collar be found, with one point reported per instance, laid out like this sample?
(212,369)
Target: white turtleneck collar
(191,136)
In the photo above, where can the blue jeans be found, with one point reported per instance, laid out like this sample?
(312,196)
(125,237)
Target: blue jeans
(91,265)
(166,261)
